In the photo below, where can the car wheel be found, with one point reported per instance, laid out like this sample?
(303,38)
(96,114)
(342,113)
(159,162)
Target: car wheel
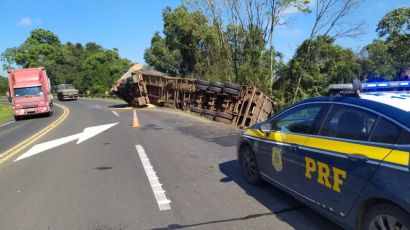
(387,217)
(17,118)
(249,166)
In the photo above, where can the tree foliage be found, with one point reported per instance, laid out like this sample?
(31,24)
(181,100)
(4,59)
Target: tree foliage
(89,68)
(4,85)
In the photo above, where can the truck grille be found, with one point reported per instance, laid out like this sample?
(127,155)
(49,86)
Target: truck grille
(29,106)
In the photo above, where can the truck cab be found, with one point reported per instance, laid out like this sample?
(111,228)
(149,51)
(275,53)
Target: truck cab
(30,92)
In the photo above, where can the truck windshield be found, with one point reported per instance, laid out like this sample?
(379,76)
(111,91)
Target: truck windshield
(28,91)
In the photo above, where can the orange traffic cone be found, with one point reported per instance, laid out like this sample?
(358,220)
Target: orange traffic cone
(135,123)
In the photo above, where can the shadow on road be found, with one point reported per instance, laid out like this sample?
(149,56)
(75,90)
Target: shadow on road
(281,205)
(119,106)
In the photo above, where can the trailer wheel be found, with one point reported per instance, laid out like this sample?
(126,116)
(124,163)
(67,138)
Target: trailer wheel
(202,87)
(209,117)
(223,120)
(224,115)
(210,112)
(196,109)
(215,89)
(231,91)
(217,84)
(202,82)
(233,86)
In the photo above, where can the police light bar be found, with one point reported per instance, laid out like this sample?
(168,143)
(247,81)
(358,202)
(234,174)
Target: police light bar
(386,85)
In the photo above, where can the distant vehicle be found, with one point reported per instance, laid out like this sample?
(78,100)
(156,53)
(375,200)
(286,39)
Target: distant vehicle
(345,155)
(66,92)
(30,92)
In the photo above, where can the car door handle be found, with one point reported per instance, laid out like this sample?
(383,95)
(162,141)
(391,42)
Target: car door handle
(357,157)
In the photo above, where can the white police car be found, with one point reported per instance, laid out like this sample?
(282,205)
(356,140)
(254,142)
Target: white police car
(346,156)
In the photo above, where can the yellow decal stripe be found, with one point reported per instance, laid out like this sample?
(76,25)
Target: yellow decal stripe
(376,153)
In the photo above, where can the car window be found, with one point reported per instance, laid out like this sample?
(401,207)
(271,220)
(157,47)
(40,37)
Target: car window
(297,120)
(386,132)
(348,122)
(404,138)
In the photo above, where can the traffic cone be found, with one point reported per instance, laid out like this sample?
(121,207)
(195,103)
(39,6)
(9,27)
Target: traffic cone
(135,123)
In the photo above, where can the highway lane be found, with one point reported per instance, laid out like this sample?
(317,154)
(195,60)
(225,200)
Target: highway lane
(101,183)
(15,132)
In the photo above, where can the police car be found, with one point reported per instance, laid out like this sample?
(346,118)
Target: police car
(345,155)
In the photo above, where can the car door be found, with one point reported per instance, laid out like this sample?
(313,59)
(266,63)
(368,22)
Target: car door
(343,157)
(280,159)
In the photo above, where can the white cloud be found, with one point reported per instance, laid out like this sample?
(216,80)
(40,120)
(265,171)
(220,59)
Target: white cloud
(295,10)
(28,21)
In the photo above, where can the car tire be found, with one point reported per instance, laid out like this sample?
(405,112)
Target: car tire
(196,109)
(249,165)
(209,112)
(233,86)
(390,215)
(202,87)
(224,115)
(214,89)
(17,118)
(231,91)
(202,82)
(223,120)
(216,84)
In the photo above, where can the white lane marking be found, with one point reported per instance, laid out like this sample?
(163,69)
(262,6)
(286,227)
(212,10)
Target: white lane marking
(115,113)
(159,192)
(86,134)
(7,123)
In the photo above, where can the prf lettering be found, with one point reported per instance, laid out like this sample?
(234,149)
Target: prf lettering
(323,174)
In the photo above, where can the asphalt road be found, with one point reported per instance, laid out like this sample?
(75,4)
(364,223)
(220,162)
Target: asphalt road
(102,184)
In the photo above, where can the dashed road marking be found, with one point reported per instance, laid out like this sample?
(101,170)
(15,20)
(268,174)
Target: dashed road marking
(115,113)
(159,193)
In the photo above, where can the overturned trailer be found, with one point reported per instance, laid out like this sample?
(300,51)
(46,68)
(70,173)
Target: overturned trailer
(228,103)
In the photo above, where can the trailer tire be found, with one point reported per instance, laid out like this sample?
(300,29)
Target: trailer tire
(202,82)
(209,112)
(231,91)
(215,89)
(223,120)
(224,115)
(217,84)
(233,86)
(196,109)
(209,117)
(202,87)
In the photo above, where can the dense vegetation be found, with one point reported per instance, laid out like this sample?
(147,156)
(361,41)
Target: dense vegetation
(88,67)
(4,85)
(209,40)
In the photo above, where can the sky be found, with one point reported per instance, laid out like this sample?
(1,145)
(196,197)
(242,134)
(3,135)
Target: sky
(129,25)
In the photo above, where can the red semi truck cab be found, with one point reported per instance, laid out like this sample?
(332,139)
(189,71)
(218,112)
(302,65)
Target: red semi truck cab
(30,92)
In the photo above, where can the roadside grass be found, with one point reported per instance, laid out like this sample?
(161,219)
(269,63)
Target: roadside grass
(6,112)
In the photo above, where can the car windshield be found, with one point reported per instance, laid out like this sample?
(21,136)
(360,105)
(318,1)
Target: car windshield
(28,91)
(65,86)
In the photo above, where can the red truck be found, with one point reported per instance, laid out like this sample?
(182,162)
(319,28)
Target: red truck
(30,92)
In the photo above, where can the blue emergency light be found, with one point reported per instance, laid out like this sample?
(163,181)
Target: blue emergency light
(386,86)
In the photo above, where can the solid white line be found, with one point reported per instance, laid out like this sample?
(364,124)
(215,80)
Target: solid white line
(159,193)
(7,123)
(115,113)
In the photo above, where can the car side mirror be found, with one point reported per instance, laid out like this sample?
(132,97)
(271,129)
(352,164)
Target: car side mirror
(9,98)
(266,128)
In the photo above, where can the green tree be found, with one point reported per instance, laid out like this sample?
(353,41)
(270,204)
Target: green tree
(328,63)
(4,85)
